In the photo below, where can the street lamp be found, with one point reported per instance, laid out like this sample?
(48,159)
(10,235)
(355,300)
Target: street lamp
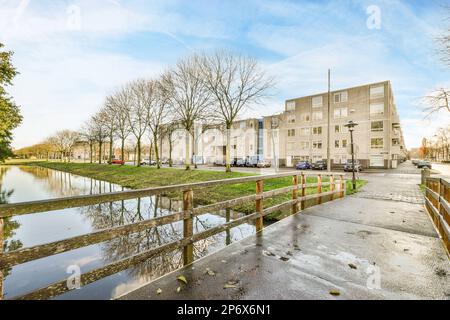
(351,127)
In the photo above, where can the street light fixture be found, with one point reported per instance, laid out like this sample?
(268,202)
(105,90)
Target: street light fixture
(351,127)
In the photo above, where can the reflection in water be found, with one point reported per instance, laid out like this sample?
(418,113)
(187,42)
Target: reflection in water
(34,229)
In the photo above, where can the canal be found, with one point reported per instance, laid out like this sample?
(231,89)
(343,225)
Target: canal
(27,183)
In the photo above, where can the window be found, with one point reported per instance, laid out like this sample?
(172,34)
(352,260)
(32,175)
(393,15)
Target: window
(251,147)
(344,143)
(243,125)
(317,102)
(317,145)
(340,97)
(304,117)
(304,145)
(376,143)
(290,106)
(317,115)
(336,143)
(317,130)
(337,129)
(340,113)
(304,131)
(291,118)
(291,133)
(376,108)
(396,142)
(377,92)
(376,126)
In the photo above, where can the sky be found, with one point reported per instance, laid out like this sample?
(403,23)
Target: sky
(71,54)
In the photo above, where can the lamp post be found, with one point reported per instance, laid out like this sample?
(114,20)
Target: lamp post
(351,127)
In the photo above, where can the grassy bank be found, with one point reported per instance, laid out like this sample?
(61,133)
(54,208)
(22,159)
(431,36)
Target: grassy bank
(142,177)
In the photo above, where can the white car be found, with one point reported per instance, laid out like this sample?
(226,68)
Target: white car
(148,162)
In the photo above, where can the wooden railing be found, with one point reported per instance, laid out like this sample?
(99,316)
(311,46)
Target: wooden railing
(299,198)
(437,202)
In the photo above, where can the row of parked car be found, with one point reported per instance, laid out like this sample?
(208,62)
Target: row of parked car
(248,162)
(421,164)
(322,165)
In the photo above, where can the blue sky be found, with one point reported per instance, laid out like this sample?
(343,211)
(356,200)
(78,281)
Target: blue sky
(72,53)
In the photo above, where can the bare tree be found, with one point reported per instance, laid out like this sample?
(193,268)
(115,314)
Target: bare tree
(158,115)
(169,132)
(189,95)
(436,101)
(142,97)
(100,132)
(64,141)
(88,134)
(118,103)
(108,116)
(236,83)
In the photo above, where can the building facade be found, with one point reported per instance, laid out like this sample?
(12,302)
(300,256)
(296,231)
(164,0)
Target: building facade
(300,132)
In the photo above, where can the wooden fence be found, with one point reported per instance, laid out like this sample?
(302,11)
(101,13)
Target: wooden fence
(437,202)
(297,203)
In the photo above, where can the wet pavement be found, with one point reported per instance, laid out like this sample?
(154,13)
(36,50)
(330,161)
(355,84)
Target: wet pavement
(377,244)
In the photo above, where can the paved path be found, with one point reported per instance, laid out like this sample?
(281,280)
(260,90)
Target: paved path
(373,245)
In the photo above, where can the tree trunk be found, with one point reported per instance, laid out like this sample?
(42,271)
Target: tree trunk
(100,152)
(155,142)
(122,147)
(170,151)
(138,152)
(228,150)
(187,161)
(110,147)
(91,147)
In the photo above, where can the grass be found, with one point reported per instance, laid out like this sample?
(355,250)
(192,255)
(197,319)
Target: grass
(143,177)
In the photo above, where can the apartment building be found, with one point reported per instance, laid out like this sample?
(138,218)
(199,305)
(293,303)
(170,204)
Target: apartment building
(300,133)
(208,144)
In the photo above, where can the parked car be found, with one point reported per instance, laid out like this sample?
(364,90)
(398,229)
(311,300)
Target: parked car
(319,165)
(251,161)
(264,164)
(148,162)
(117,161)
(303,165)
(348,166)
(415,161)
(240,162)
(424,164)
(219,163)
(165,161)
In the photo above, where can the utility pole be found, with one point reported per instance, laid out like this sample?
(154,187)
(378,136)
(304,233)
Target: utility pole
(328,121)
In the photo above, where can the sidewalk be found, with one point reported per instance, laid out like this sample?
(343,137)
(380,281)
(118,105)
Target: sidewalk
(360,247)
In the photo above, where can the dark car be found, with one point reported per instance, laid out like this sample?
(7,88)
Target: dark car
(423,164)
(304,165)
(237,162)
(348,166)
(319,165)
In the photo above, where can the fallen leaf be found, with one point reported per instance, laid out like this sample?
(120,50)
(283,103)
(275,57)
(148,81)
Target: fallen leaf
(351,265)
(284,258)
(182,279)
(159,291)
(289,253)
(178,289)
(268,253)
(228,286)
(335,292)
(210,272)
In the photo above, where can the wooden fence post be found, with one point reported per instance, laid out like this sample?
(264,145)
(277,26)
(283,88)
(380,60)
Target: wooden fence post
(319,188)
(259,205)
(303,182)
(332,186)
(342,185)
(188,226)
(295,194)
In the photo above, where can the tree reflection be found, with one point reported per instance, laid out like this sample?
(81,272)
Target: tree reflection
(7,229)
(131,211)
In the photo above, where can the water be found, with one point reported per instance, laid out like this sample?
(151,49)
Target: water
(21,183)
